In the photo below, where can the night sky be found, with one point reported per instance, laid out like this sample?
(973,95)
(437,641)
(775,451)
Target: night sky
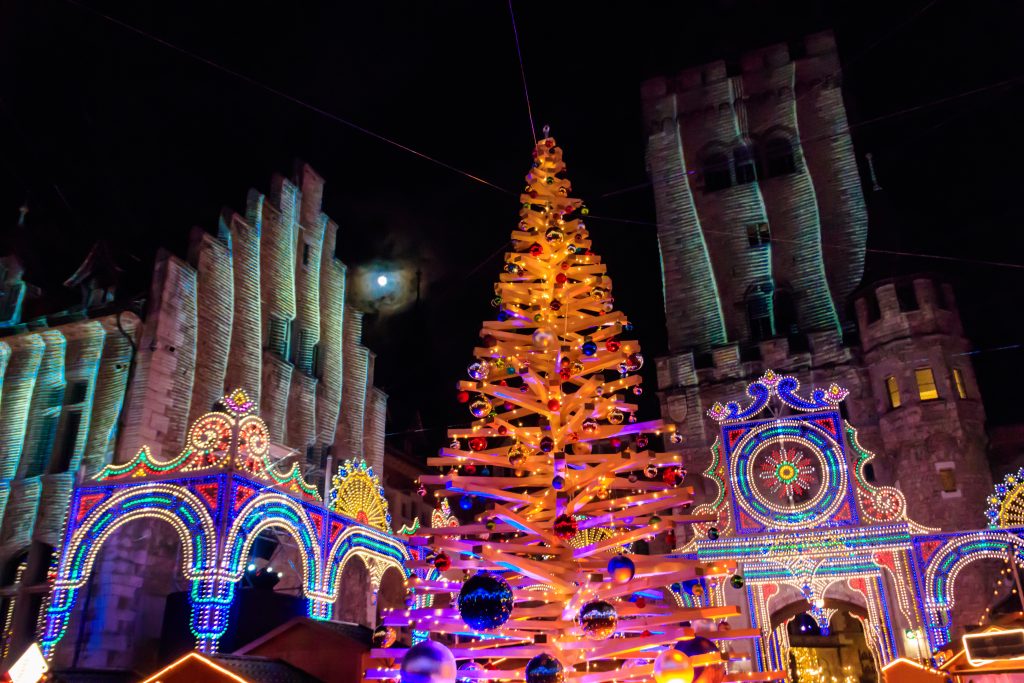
(111,134)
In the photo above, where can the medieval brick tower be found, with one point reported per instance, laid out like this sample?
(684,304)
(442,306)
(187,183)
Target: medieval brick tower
(762,229)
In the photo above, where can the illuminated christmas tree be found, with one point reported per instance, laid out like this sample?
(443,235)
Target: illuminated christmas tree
(554,580)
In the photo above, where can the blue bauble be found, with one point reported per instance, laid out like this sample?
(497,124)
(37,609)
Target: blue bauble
(468,666)
(702,646)
(544,669)
(466,502)
(589,348)
(621,569)
(485,601)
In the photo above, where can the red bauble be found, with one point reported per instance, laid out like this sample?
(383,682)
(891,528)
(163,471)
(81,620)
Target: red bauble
(489,340)
(565,526)
(478,443)
(612,345)
(554,404)
(641,601)
(462,396)
(668,475)
(469,468)
(561,278)
(536,250)
(616,443)
(442,562)
(502,429)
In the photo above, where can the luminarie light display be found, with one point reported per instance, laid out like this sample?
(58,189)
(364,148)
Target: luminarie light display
(558,577)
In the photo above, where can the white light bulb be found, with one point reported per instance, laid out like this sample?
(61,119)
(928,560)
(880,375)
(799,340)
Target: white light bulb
(382,280)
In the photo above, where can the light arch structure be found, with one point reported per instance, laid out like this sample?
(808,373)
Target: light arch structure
(939,558)
(218,495)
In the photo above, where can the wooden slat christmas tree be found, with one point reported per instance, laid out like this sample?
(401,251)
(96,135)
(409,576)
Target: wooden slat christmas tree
(555,574)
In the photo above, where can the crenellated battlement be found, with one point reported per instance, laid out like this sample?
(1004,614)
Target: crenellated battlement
(909,306)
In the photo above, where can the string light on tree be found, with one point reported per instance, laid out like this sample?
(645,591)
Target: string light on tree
(549,586)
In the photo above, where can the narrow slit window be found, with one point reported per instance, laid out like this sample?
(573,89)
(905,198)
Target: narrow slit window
(758,234)
(947,477)
(926,388)
(958,382)
(893,390)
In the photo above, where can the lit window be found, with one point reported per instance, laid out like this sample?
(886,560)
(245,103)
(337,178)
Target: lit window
(947,476)
(926,384)
(958,382)
(893,390)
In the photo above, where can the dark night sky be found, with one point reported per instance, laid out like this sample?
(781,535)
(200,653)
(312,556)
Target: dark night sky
(113,135)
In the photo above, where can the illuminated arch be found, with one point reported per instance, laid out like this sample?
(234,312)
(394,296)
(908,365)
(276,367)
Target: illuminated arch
(370,546)
(943,567)
(357,493)
(171,503)
(278,511)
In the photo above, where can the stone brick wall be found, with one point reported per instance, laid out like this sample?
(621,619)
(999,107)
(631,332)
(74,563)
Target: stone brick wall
(709,120)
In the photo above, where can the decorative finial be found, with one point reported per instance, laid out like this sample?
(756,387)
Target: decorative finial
(547,131)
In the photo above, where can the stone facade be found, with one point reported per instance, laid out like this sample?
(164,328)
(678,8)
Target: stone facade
(763,228)
(258,304)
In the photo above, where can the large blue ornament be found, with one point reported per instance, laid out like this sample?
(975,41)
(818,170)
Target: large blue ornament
(544,669)
(621,569)
(485,601)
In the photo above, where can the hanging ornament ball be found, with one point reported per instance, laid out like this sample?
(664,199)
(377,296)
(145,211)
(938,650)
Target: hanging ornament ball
(428,660)
(695,647)
(554,404)
(615,416)
(544,669)
(598,619)
(479,370)
(589,348)
(713,533)
(737,581)
(590,425)
(490,524)
(547,444)
(612,345)
(641,441)
(638,391)
(469,468)
(651,471)
(489,340)
(543,337)
(480,407)
(422,490)
(517,454)
(632,477)
(442,562)
(670,475)
(478,443)
(485,601)
(462,396)
(565,526)
(582,448)
(621,569)
(468,666)
(384,636)
(557,482)
(466,502)
(634,362)
(675,437)
(672,666)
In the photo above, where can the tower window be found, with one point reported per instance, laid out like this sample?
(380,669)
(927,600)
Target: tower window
(758,234)
(947,477)
(778,157)
(906,297)
(743,160)
(893,391)
(926,388)
(279,333)
(759,316)
(958,383)
(305,254)
(716,173)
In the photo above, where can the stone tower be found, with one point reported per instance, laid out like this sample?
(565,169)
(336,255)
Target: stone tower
(930,415)
(762,230)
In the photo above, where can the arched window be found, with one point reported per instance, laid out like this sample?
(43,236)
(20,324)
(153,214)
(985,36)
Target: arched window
(717,175)
(778,157)
(743,160)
